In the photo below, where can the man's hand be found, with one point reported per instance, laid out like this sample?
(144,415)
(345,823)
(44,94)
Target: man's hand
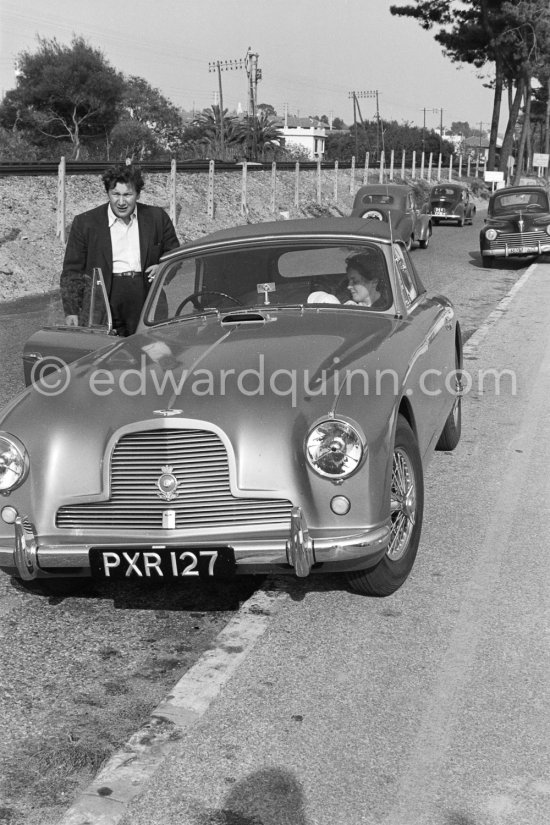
(151,271)
(71,320)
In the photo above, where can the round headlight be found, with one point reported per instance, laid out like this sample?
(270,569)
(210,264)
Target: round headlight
(491,234)
(14,462)
(334,449)
(548,229)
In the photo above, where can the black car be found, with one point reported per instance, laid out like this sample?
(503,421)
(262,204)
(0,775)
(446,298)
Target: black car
(450,202)
(517,224)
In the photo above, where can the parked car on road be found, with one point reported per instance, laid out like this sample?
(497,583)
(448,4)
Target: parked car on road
(397,204)
(517,224)
(450,202)
(259,420)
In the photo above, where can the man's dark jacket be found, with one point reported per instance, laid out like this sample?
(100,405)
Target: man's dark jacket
(89,246)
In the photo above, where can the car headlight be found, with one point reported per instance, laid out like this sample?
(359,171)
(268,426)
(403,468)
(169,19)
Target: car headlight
(491,234)
(548,229)
(14,462)
(334,448)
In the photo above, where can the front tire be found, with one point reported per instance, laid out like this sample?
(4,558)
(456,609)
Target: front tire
(407,507)
(450,435)
(487,261)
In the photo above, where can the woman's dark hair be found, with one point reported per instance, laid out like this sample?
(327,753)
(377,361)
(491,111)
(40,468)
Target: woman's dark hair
(123,173)
(363,263)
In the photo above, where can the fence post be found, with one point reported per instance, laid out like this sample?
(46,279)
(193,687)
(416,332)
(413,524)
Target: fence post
(413,167)
(451,166)
(352,175)
(468,166)
(273,185)
(211,189)
(381,175)
(430,166)
(244,205)
(297,184)
(319,180)
(336,181)
(173,191)
(392,157)
(366,169)
(61,200)
(460,166)
(439,166)
(403,165)
(422,166)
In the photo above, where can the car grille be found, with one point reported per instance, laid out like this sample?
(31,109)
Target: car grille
(198,460)
(519,239)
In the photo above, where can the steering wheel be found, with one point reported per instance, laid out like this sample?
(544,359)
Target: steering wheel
(194,298)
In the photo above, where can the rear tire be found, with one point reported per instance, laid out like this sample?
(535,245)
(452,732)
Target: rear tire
(407,507)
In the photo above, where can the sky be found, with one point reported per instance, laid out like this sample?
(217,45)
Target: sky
(312,55)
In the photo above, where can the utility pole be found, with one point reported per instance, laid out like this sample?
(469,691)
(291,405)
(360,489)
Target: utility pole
(379,132)
(357,110)
(220,66)
(440,112)
(254,75)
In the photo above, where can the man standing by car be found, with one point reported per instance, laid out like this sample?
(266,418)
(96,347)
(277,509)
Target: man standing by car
(125,239)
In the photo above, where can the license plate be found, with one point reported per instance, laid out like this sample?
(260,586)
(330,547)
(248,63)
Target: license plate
(439,211)
(521,250)
(161,563)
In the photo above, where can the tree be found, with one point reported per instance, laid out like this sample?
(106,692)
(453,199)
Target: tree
(64,93)
(510,35)
(147,107)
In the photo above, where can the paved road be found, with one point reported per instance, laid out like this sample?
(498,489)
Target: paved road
(429,707)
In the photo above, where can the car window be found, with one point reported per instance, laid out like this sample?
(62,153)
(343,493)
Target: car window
(269,275)
(511,201)
(406,276)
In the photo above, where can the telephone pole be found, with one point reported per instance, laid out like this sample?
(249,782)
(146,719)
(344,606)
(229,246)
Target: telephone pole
(220,66)
(357,110)
(254,75)
(379,131)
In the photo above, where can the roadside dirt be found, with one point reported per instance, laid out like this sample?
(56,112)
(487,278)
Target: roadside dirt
(31,252)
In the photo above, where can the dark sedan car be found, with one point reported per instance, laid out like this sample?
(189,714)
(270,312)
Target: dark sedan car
(396,204)
(450,202)
(274,412)
(517,224)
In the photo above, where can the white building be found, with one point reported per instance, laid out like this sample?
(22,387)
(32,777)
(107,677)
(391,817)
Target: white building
(305,133)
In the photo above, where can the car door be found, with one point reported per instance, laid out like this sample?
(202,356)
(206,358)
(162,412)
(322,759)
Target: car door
(431,347)
(51,348)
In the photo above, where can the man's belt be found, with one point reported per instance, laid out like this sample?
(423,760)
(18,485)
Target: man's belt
(129,274)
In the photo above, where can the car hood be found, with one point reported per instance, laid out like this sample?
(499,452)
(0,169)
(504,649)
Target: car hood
(274,373)
(517,221)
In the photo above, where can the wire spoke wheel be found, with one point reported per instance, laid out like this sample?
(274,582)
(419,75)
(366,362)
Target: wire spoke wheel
(406,507)
(403,504)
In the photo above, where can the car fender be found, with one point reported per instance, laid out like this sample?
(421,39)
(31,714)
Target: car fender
(423,227)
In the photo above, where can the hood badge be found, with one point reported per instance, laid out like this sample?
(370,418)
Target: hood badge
(167,484)
(167,413)
(521,224)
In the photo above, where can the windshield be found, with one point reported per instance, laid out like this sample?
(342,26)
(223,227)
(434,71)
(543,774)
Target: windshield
(535,201)
(271,275)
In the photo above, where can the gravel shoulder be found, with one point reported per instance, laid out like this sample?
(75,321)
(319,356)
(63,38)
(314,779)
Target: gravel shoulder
(31,252)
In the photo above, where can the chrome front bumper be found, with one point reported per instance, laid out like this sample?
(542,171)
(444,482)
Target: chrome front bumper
(298,549)
(511,250)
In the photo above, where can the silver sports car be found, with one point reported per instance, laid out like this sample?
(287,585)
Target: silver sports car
(274,412)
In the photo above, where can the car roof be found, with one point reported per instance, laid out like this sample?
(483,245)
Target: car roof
(295,229)
(525,188)
(385,188)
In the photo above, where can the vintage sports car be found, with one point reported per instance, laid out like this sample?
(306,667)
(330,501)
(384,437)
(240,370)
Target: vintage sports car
(396,204)
(517,224)
(259,420)
(450,202)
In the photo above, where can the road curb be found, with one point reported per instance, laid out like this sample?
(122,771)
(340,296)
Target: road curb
(124,776)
